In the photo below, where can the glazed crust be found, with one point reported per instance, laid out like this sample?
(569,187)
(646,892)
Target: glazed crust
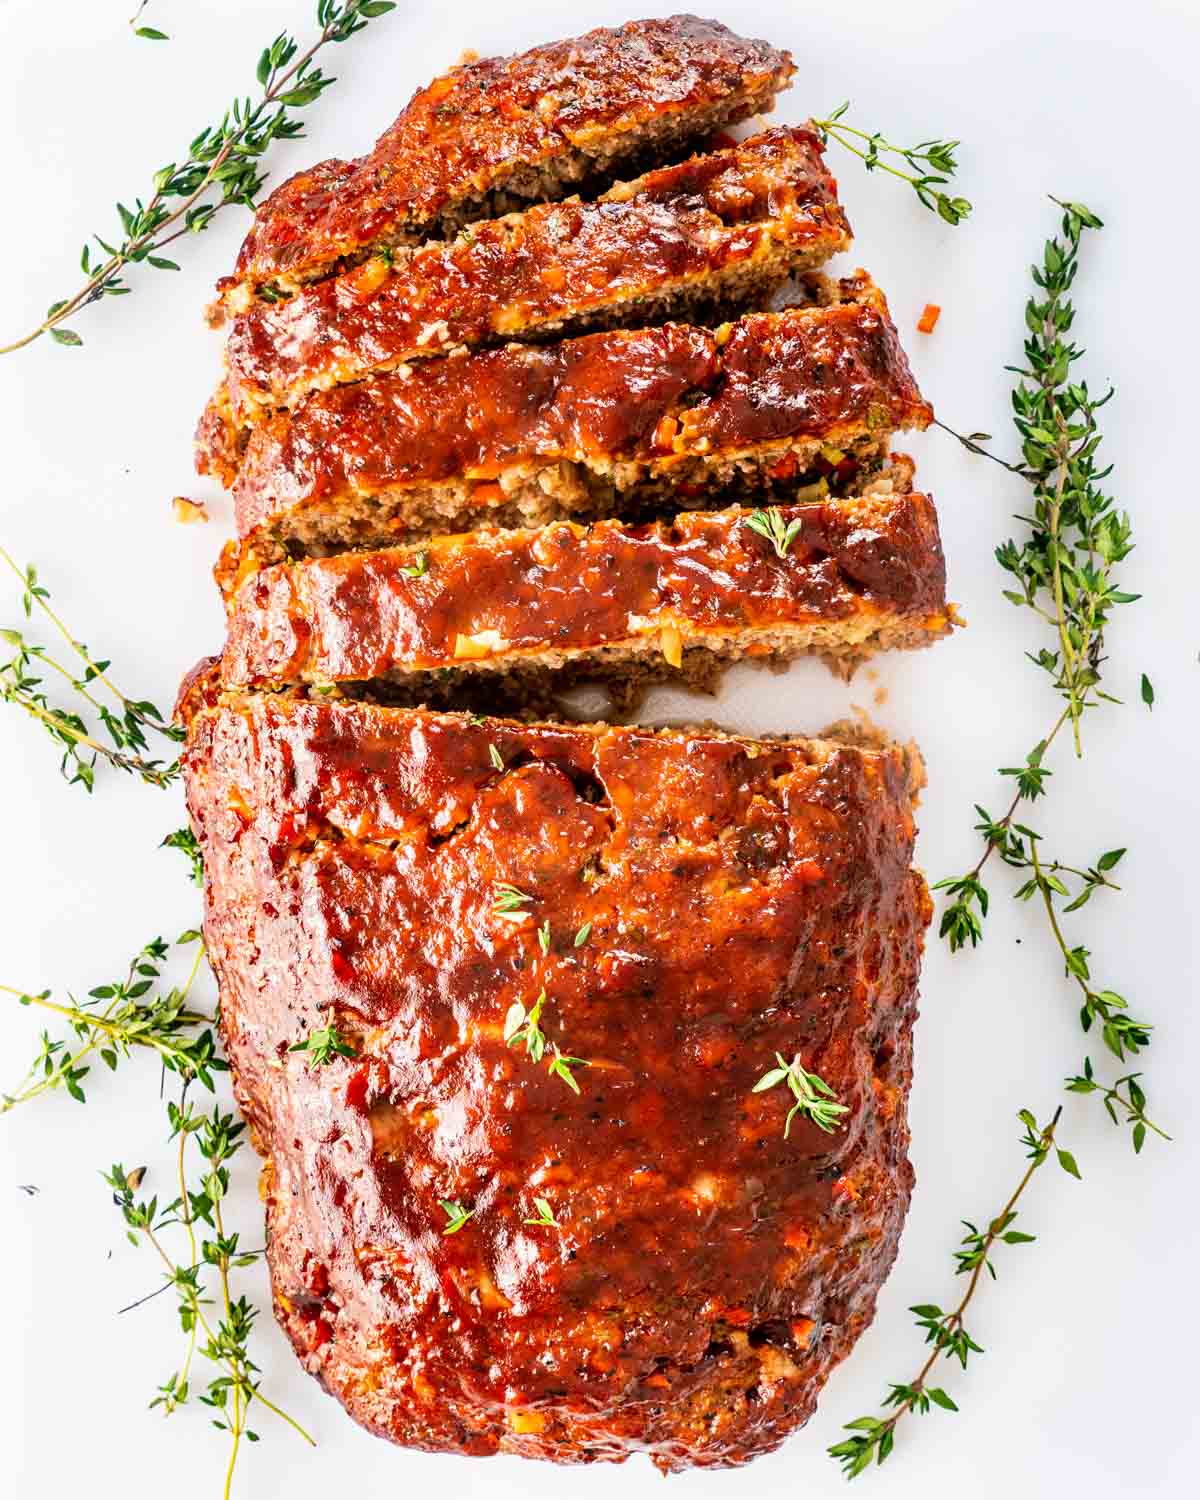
(738,220)
(550,118)
(858,572)
(743,898)
(661,406)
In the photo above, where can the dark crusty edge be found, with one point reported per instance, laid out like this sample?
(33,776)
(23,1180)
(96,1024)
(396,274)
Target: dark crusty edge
(491,134)
(708,233)
(529,433)
(860,574)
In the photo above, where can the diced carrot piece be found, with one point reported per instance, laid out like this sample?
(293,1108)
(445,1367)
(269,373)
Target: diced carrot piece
(928,319)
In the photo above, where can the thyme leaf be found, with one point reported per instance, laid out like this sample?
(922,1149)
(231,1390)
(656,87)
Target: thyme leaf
(456,1215)
(323,1045)
(770,524)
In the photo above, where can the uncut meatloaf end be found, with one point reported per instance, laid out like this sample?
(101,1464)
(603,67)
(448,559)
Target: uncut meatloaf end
(858,574)
(708,902)
(492,135)
(671,416)
(709,237)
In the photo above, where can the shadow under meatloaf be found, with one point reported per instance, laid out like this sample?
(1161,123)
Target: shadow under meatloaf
(706,238)
(707,902)
(671,416)
(858,574)
(491,135)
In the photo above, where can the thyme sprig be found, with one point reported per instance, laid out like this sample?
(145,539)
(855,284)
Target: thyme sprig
(186,842)
(220,1336)
(1064,568)
(872,1438)
(814,1098)
(771,525)
(932,163)
(456,1215)
(126,721)
(223,166)
(522,1028)
(545,1215)
(509,899)
(323,1045)
(117,1019)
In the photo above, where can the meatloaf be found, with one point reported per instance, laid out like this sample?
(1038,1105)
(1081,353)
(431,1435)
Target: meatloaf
(688,240)
(609,1242)
(493,134)
(842,577)
(581,427)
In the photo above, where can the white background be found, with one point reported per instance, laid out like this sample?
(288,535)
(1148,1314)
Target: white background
(1088,1381)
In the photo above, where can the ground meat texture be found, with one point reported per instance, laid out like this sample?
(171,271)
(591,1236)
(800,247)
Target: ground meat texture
(490,134)
(858,574)
(581,426)
(739,898)
(683,240)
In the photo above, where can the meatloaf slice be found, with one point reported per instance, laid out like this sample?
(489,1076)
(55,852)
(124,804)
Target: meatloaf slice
(494,134)
(525,434)
(692,906)
(685,240)
(856,575)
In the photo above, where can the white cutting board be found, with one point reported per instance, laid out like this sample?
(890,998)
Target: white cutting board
(1098,1318)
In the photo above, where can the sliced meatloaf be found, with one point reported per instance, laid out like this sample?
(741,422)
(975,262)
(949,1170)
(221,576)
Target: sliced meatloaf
(565,1227)
(494,134)
(683,240)
(842,577)
(583,427)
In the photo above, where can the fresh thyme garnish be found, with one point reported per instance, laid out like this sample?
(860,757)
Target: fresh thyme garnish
(126,724)
(1132,1102)
(560,1066)
(770,524)
(496,758)
(1064,569)
(544,936)
(521,1025)
(324,1045)
(185,841)
(545,1215)
(814,1098)
(418,567)
(582,935)
(1147,692)
(222,1339)
(118,1018)
(509,898)
(456,1214)
(872,148)
(222,167)
(873,1437)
